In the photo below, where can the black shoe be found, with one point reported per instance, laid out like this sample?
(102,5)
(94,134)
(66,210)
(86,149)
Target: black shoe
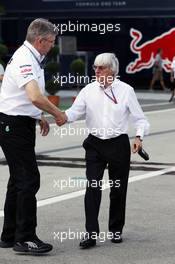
(6,244)
(87,241)
(35,246)
(117,238)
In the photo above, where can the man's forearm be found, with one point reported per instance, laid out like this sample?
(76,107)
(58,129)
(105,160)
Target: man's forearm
(44,104)
(41,102)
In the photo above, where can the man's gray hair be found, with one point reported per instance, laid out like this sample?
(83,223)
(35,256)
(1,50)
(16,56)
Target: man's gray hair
(40,27)
(108,60)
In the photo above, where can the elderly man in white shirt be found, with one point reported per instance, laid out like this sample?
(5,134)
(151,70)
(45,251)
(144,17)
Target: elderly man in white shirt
(107,104)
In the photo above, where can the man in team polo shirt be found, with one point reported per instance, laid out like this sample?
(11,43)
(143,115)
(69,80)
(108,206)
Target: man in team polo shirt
(22,101)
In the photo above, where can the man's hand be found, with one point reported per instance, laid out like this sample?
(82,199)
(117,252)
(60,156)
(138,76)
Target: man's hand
(44,126)
(137,144)
(61,119)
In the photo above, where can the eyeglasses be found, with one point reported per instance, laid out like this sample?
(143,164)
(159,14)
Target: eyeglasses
(49,40)
(101,68)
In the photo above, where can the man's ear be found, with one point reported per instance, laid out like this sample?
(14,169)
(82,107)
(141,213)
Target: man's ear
(38,40)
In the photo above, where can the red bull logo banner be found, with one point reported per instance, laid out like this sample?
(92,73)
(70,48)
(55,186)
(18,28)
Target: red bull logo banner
(147,51)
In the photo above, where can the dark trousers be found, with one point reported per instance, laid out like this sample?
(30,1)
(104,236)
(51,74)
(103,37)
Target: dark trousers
(17,140)
(115,153)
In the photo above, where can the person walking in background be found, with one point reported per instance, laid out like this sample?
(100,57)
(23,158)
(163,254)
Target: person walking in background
(22,101)
(172,79)
(1,74)
(158,70)
(107,104)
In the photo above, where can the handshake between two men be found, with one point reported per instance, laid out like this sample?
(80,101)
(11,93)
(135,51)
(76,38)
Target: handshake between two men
(61,118)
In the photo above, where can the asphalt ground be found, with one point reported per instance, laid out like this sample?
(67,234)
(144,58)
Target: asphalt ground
(149,233)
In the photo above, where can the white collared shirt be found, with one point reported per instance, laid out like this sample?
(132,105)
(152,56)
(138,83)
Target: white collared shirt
(173,67)
(104,118)
(23,67)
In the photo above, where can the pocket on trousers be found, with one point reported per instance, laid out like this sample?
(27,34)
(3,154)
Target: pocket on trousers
(2,128)
(85,143)
(5,128)
(1,132)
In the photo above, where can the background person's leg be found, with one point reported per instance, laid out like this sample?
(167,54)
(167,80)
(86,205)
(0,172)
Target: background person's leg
(162,81)
(173,91)
(154,79)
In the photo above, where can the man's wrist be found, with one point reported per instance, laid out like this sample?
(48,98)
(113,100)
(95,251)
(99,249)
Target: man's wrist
(139,137)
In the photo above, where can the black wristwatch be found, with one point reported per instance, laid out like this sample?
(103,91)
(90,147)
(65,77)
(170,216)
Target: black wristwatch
(139,138)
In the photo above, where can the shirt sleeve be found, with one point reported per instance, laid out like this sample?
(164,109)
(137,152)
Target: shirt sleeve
(78,109)
(24,71)
(137,116)
(173,65)
(1,70)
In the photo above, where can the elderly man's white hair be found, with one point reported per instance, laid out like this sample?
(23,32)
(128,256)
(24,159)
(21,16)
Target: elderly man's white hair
(109,60)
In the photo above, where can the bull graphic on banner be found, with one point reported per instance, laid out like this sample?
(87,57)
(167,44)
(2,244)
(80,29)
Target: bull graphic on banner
(147,51)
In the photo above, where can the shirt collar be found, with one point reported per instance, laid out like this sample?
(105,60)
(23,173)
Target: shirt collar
(36,53)
(110,86)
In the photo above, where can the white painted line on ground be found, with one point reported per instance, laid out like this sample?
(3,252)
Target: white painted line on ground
(159,111)
(155,104)
(75,194)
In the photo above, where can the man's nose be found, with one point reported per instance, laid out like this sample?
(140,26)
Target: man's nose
(97,70)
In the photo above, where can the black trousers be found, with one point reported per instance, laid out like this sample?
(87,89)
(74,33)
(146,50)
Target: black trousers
(115,153)
(17,140)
